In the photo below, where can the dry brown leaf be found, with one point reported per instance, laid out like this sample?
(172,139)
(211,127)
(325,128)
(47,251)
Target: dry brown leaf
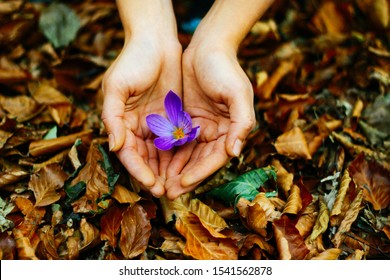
(349,218)
(200,244)
(45,184)
(373,179)
(7,246)
(22,108)
(290,243)
(124,195)
(256,219)
(267,205)
(110,225)
(357,255)
(267,88)
(207,216)
(43,147)
(307,220)
(328,19)
(294,201)
(284,179)
(90,235)
(135,231)
(322,221)
(47,94)
(329,254)
(293,144)
(95,178)
(72,245)
(253,239)
(33,216)
(23,246)
(10,173)
(339,203)
(47,249)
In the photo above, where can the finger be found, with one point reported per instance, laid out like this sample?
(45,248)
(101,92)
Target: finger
(205,166)
(112,117)
(180,159)
(243,120)
(132,157)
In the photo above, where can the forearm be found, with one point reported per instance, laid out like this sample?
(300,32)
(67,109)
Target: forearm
(153,18)
(229,21)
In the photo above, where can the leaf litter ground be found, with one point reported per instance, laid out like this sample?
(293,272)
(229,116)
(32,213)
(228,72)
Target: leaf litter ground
(312,182)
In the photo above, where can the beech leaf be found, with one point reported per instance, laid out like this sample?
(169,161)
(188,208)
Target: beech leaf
(200,244)
(110,225)
(293,144)
(45,184)
(245,186)
(135,231)
(373,179)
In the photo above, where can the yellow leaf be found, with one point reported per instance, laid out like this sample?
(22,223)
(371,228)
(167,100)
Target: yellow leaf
(124,195)
(340,198)
(23,246)
(307,219)
(322,221)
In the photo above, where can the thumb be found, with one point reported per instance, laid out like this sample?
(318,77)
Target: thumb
(242,117)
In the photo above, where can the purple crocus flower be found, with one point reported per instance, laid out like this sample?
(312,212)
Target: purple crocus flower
(177,129)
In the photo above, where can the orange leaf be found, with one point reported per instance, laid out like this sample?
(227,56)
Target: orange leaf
(293,144)
(33,216)
(330,254)
(373,179)
(45,184)
(124,195)
(23,246)
(253,239)
(135,231)
(200,244)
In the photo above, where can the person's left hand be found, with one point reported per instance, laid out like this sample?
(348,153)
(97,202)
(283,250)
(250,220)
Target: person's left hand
(219,97)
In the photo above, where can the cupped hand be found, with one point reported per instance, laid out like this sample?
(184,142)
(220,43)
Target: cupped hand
(135,86)
(219,97)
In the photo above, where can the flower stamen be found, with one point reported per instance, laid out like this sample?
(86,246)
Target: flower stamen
(178,133)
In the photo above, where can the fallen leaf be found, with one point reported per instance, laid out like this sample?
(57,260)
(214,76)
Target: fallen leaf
(373,179)
(110,225)
(290,243)
(200,244)
(321,224)
(135,231)
(294,201)
(293,144)
(45,184)
(349,218)
(23,246)
(329,254)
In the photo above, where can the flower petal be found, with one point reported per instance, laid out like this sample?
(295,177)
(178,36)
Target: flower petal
(159,125)
(193,134)
(173,107)
(164,143)
(185,122)
(182,141)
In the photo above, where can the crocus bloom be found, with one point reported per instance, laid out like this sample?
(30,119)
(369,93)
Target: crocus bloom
(177,129)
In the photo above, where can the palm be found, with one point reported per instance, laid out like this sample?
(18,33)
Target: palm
(136,84)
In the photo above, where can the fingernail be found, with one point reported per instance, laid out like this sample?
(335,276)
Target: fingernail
(237,147)
(111,142)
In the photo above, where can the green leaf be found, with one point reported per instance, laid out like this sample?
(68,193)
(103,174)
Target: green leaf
(245,185)
(73,192)
(59,24)
(112,177)
(52,134)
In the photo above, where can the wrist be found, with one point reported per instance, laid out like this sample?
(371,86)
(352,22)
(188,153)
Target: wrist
(148,18)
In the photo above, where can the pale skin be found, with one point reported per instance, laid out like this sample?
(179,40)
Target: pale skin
(215,90)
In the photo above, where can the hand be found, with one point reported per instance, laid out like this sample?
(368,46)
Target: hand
(219,97)
(134,86)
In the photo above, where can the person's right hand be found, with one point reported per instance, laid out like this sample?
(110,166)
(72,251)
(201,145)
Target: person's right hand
(135,86)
